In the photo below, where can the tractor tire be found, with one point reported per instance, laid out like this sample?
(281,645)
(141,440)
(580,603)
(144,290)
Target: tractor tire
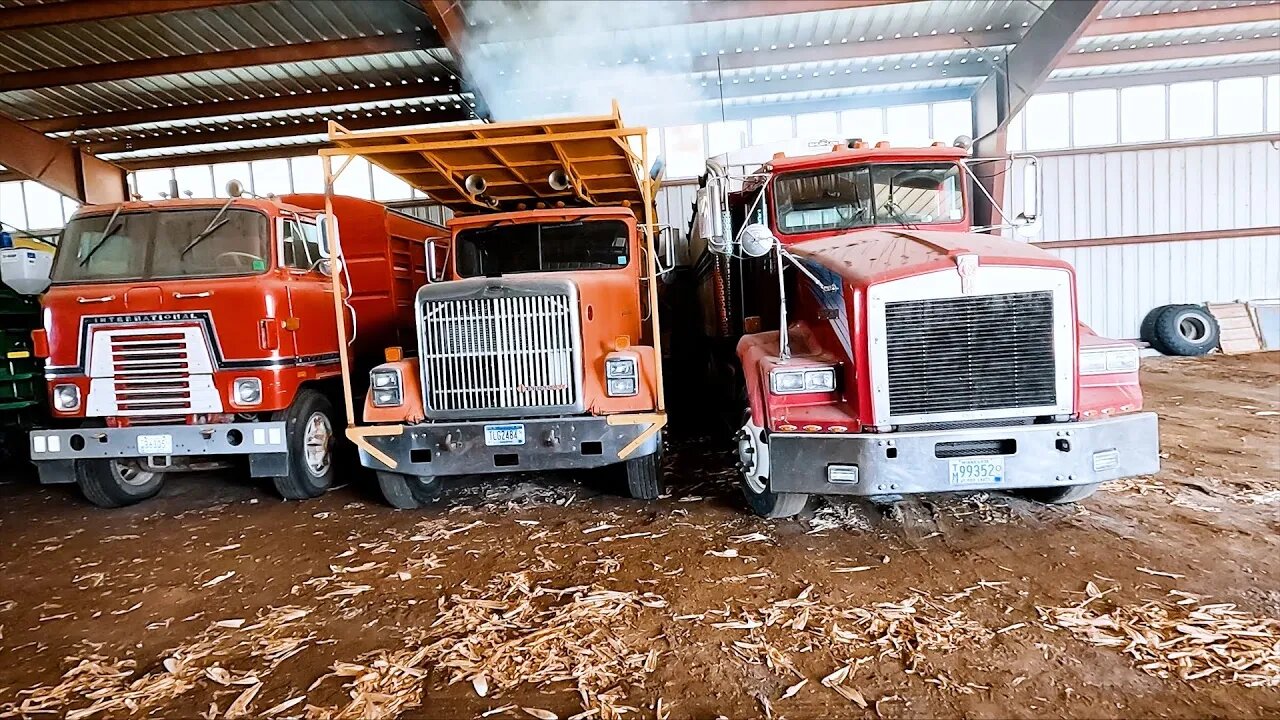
(1185,330)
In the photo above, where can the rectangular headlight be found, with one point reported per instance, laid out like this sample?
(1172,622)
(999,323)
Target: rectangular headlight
(385,387)
(622,387)
(1105,361)
(806,380)
(623,367)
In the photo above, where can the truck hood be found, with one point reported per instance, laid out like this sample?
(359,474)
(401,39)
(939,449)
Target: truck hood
(867,257)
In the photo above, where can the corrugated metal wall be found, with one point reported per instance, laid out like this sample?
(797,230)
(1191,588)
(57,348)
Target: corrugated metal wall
(1134,192)
(1127,193)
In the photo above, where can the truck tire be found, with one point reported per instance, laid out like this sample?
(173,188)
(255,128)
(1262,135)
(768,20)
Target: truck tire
(309,427)
(755,479)
(1186,330)
(115,483)
(645,477)
(407,492)
(1060,495)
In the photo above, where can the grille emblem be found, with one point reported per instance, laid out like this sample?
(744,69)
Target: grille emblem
(967,266)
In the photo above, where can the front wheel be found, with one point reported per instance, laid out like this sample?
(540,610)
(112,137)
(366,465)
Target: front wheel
(407,492)
(116,483)
(753,470)
(309,424)
(1060,495)
(645,477)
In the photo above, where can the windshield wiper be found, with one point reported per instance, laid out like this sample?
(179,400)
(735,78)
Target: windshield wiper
(200,238)
(110,230)
(209,229)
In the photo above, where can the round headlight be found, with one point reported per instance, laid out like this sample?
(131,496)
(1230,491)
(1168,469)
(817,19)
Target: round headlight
(248,391)
(66,397)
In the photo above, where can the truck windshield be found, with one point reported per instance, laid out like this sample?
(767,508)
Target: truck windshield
(543,247)
(854,197)
(149,245)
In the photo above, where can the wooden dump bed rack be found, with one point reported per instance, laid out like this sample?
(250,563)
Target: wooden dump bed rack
(516,160)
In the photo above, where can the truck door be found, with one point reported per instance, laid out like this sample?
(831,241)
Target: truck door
(311,328)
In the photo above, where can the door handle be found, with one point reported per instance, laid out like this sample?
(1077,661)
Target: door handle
(86,301)
(190,296)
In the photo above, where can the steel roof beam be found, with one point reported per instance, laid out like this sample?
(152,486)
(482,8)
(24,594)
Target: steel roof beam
(270,128)
(1161,53)
(59,165)
(28,17)
(271,103)
(1013,81)
(178,64)
(450,24)
(1184,19)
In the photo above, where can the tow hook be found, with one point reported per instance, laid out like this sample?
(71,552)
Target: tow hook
(449,443)
(553,439)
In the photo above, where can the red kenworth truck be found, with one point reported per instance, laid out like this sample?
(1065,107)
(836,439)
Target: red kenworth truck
(919,356)
(184,334)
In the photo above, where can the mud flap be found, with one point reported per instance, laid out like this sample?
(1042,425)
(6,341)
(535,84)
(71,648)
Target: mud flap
(56,472)
(263,465)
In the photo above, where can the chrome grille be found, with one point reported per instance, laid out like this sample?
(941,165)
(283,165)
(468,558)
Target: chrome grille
(151,372)
(970,353)
(512,354)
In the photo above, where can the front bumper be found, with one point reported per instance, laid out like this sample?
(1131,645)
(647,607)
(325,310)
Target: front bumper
(458,448)
(265,443)
(1061,454)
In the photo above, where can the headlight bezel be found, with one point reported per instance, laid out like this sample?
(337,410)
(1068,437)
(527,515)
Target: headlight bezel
(806,380)
(1109,360)
(237,396)
(76,401)
(393,390)
(622,375)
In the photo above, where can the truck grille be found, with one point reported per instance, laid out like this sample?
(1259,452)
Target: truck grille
(496,355)
(970,353)
(151,372)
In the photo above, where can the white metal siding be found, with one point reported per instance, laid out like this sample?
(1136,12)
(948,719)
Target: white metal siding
(1121,193)
(1194,188)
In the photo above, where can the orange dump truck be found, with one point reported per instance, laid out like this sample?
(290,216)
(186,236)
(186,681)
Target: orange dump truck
(540,350)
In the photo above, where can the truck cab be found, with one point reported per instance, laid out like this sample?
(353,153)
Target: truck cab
(883,348)
(182,334)
(540,349)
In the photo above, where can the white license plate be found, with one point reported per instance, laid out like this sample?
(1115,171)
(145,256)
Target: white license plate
(155,444)
(504,434)
(977,471)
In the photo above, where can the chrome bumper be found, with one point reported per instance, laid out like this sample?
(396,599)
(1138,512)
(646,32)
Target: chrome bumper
(266,443)
(1076,453)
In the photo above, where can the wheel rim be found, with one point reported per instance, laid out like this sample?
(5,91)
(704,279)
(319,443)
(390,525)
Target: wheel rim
(317,438)
(752,458)
(130,474)
(1193,327)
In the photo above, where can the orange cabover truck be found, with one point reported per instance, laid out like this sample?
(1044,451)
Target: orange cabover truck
(194,334)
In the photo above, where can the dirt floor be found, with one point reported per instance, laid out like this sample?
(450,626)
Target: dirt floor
(546,596)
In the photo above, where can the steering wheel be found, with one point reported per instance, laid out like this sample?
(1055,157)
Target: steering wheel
(236,257)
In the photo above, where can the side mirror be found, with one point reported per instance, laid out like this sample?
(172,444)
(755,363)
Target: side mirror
(757,240)
(1027,222)
(324,266)
(234,188)
(326,243)
(435,273)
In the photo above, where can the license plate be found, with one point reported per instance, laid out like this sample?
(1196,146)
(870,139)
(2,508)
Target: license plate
(977,471)
(504,434)
(155,444)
